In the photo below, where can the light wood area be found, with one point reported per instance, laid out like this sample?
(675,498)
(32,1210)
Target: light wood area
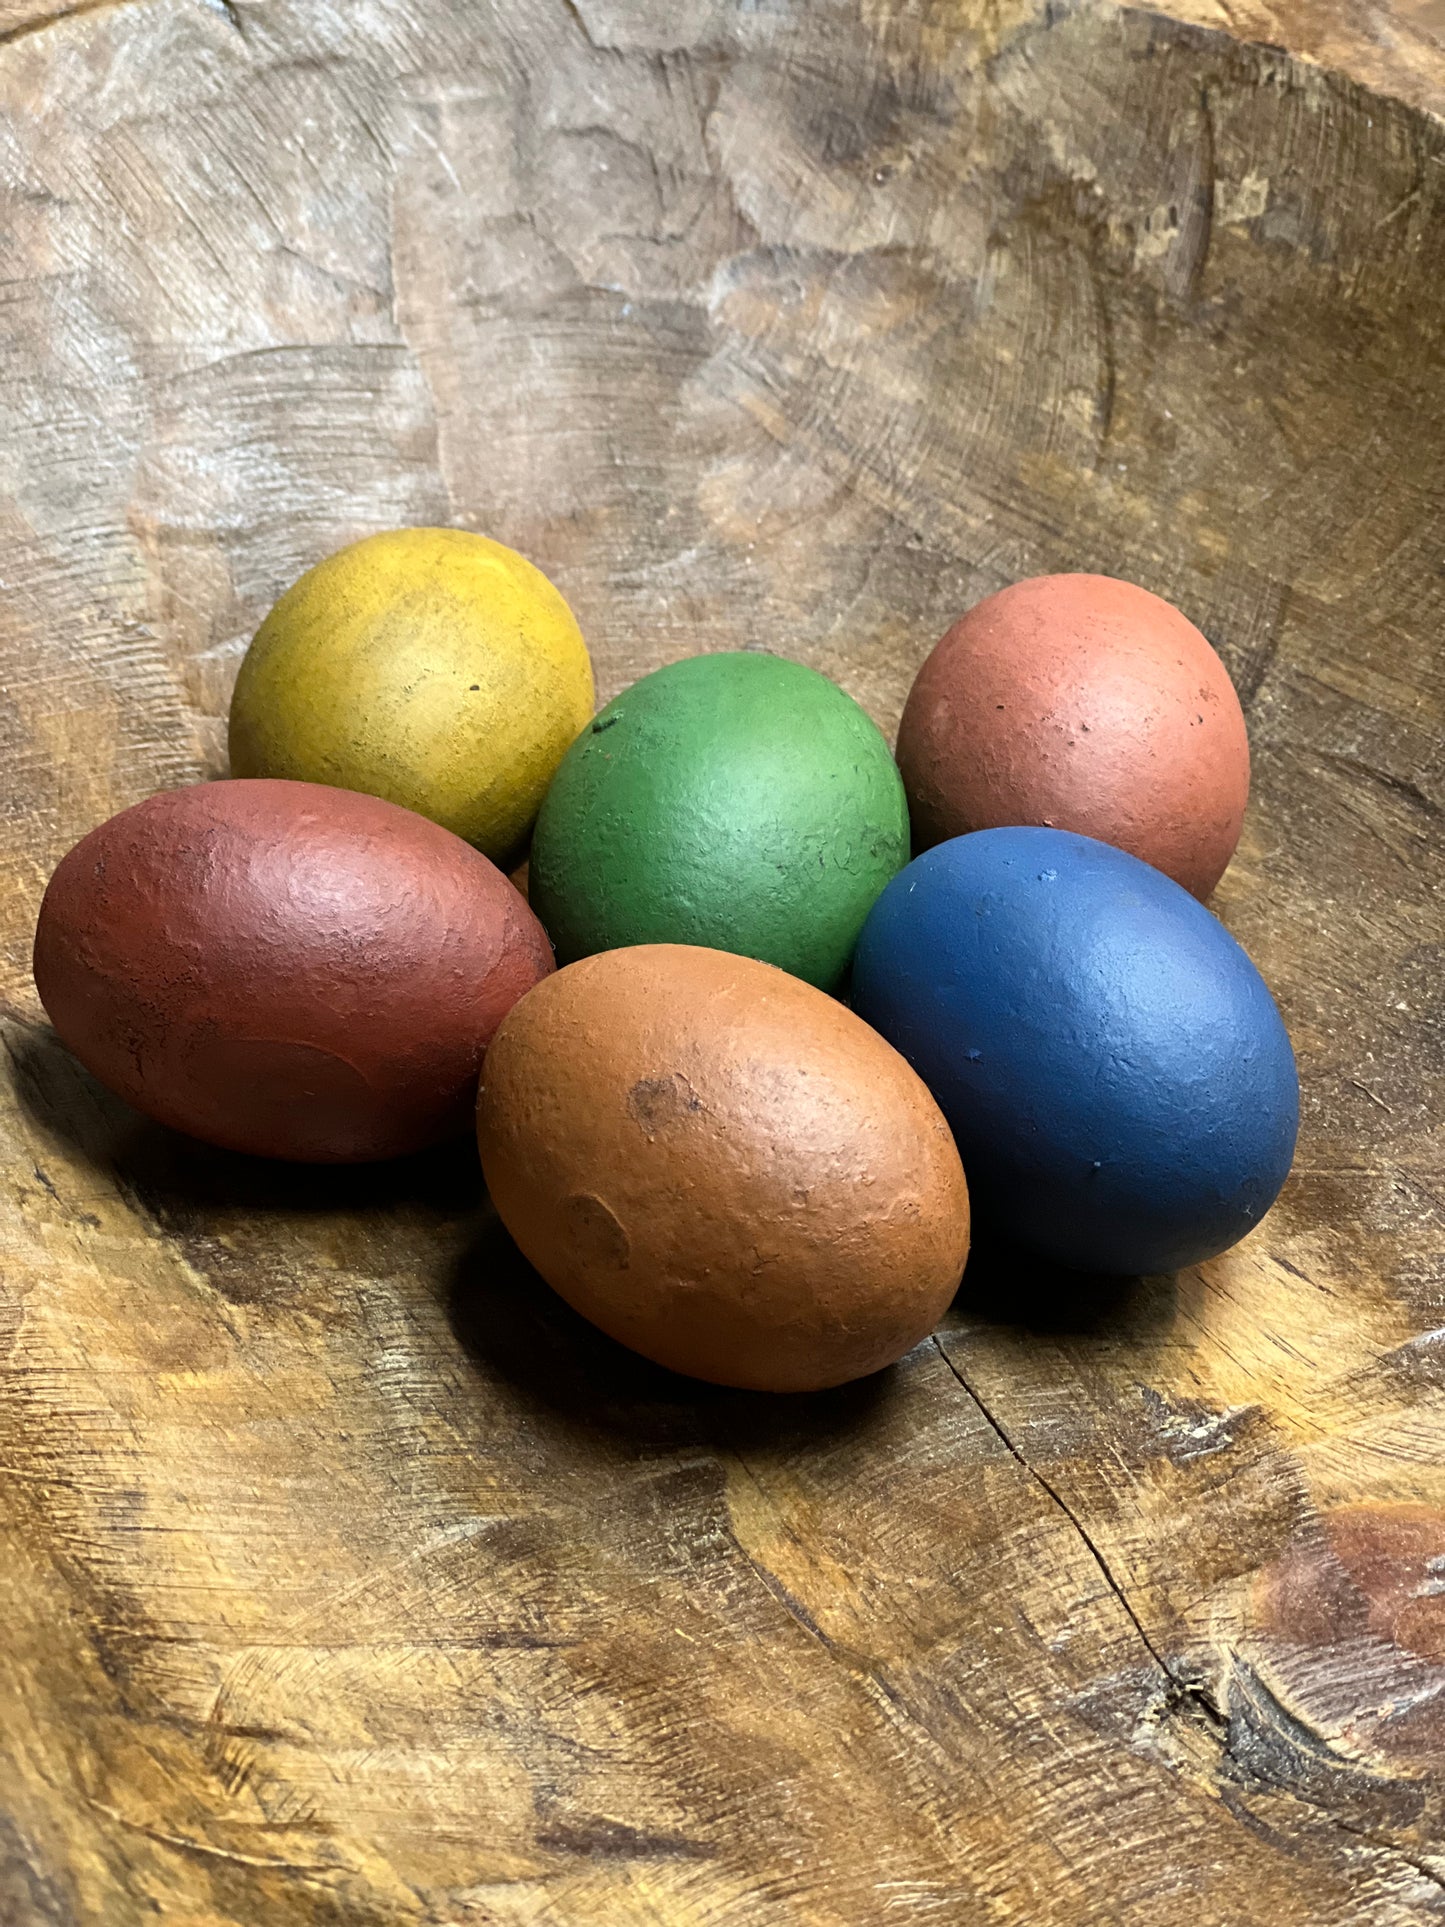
(347,1580)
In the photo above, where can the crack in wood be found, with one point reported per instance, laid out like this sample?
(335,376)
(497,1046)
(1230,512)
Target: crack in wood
(1192,1693)
(1195,1700)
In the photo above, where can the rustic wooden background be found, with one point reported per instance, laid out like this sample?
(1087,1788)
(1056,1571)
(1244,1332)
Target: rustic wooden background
(345,1577)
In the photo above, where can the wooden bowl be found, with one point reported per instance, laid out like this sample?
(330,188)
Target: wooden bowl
(348,1578)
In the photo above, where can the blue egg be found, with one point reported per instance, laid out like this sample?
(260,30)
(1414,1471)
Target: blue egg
(1117,1075)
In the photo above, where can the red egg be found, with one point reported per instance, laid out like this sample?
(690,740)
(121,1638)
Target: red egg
(1086,704)
(285,968)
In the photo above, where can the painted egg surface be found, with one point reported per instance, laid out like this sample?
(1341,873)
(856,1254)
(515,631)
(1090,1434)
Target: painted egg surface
(1119,1081)
(739,801)
(432,667)
(283,968)
(1081,703)
(723,1168)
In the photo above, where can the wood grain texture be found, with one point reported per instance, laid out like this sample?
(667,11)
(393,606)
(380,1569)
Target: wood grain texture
(346,1578)
(1395,47)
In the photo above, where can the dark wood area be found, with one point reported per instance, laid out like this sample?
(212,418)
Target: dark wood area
(345,1577)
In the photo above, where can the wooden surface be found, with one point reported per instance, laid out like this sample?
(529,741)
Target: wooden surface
(345,1577)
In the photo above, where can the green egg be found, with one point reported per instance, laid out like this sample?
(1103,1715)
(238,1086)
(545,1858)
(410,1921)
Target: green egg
(740,801)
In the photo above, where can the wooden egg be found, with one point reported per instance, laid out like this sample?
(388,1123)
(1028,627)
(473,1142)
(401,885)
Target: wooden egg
(433,667)
(285,968)
(723,1168)
(1115,1071)
(1080,703)
(737,801)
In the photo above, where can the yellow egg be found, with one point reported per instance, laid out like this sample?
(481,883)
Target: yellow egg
(429,666)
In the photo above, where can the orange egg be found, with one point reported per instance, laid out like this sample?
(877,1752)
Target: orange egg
(723,1168)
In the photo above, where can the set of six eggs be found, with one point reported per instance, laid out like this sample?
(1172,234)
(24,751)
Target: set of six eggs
(719,1162)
